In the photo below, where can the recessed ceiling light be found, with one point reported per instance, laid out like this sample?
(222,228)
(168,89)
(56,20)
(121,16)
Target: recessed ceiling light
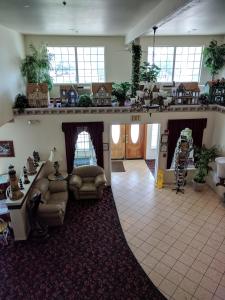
(26,6)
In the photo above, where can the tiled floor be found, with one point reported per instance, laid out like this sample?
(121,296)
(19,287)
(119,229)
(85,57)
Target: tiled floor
(178,239)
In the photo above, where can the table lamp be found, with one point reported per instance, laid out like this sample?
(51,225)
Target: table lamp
(55,158)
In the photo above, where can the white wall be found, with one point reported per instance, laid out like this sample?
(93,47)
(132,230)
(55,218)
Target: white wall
(203,40)
(11,82)
(218,139)
(117,58)
(47,134)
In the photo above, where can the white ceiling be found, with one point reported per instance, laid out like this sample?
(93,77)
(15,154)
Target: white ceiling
(83,17)
(111,17)
(205,17)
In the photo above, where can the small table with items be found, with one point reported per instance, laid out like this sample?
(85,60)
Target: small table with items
(18,211)
(62,176)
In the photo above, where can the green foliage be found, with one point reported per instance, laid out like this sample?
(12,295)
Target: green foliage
(21,103)
(136,60)
(214,57)
(149,72)
(203,157)
(85,100)
(120,90)
(36,66)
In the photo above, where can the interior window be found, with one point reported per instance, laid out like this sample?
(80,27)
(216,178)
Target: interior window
(134,133)
(77,64)
(180,64)
(115,133)
(84,150)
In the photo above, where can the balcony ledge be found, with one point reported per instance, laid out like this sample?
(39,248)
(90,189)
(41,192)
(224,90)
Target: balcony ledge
(116,110)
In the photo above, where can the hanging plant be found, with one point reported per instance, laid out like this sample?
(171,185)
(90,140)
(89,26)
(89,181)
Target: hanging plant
(214,57)
(36,66)
(136,59)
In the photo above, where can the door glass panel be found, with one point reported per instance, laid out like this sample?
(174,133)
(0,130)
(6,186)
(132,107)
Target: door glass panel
(134,133)
(115,133)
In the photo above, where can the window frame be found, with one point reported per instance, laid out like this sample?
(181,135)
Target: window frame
(77,79)
(154,147)
(174,62)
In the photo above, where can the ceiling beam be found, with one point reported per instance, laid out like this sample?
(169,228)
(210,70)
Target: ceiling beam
(161,14)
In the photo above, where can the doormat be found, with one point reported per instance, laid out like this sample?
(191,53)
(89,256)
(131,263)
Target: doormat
(117,166)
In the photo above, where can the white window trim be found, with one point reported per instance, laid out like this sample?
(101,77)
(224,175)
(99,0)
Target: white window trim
(76,62)
(174,60)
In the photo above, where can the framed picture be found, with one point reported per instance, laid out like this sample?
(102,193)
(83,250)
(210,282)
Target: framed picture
(6,149)
(164,138)
(105,147)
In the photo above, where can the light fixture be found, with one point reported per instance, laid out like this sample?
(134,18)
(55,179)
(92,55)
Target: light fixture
(220,167)
(153,50)
(55,158)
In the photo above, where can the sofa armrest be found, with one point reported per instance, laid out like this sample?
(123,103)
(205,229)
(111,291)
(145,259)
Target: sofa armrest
(76,181)
(100,180)
(58,186)
(49,209)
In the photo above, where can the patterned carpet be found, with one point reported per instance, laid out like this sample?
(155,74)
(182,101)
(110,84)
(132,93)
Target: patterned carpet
(86,258)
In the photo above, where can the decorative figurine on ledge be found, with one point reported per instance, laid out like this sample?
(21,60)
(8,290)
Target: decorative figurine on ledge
(14,190)
(25,176)
(31,170)
(36,157)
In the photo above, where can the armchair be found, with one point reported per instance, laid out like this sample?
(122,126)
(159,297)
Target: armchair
(87,182)
(54,196)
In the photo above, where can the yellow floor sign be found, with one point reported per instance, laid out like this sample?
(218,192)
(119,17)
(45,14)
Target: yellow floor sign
(160,179)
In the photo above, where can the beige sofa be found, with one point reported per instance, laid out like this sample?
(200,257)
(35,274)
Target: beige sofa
(54,197)
(87,182)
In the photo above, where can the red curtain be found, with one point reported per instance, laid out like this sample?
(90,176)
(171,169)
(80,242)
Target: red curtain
(71,131)
(175,126)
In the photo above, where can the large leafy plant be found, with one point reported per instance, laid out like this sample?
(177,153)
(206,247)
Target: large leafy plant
(202,158)
(214,57)
(36,66)
(136,60)
(149,72)
(120,90)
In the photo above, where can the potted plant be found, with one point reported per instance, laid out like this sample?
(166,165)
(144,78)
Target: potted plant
(85,100)
(214,57)
(120,90)
(21,103)
(36,66)
(202,158)
(149,73)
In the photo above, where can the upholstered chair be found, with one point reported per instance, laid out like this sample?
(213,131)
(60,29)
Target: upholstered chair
(87,182)
(54,197)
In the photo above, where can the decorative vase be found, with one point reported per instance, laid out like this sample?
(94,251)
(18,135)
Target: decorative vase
(147,102)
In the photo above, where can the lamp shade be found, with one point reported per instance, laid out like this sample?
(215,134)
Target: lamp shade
(220,164)
(54,155)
